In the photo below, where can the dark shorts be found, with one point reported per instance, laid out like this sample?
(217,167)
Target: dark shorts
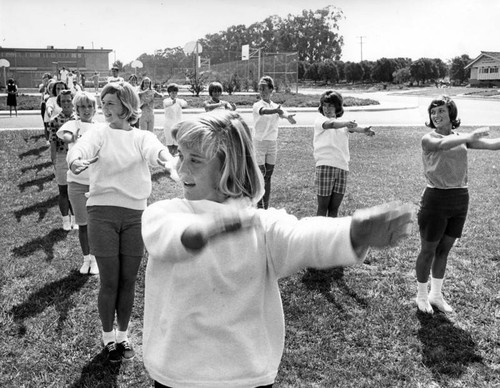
(329,180)
(114,231)
(442,212)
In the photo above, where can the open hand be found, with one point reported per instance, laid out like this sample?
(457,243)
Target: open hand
(169,167)
(381,226)
(81,165)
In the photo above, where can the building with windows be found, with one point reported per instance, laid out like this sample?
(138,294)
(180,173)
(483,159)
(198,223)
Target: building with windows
(27,65)
(484,70)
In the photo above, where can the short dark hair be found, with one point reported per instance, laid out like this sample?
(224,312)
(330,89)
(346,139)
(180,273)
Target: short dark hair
(214,87)
(172,88)
(63,93)
(332,97)
(452,111)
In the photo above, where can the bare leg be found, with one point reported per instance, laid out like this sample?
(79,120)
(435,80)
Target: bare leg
(109,273)
(129,266)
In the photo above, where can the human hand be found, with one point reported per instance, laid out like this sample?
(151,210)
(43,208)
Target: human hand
(290,118)
(80,165)
(381,226)
(169,166)
(479,133)
(368,131)
(351,124)
(196,236)
(279,110)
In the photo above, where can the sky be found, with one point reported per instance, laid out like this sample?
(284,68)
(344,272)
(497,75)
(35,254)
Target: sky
(386,28)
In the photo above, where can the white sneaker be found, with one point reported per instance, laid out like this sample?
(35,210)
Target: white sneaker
(84,269)
(424,305)
(440,303)
(94,269)
(73,225)
(66,223)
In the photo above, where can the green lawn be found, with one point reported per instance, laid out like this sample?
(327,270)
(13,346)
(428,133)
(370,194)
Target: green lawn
(356,329)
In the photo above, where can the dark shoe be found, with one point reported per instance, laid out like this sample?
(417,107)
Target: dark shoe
(126,351)
(114,355)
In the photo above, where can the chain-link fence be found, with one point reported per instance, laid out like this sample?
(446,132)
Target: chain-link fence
(282,67)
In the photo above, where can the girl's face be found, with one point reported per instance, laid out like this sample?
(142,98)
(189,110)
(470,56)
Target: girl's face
(216,95)
(146,84)
(199,176)
(329,110)
(86,112)
(173,95)
(66,104)
(112,109)
(265,92)
(59,88)
(440,117)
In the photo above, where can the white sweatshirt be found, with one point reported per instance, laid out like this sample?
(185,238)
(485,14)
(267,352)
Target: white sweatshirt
(215,319)
(121,175)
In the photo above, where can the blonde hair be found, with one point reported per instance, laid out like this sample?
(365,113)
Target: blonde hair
(84,98)
(127,97)
(224,134)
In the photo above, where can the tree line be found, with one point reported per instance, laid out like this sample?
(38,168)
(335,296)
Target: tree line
(316,37)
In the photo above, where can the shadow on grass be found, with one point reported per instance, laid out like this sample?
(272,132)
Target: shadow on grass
(322,280)
(34,152)
(35,138)
(99,372)
(38,167)
(39,182)
(447,349)
(45,243)
(41,208)
(57,294)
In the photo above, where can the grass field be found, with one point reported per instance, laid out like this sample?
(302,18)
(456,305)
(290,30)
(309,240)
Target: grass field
(356,329)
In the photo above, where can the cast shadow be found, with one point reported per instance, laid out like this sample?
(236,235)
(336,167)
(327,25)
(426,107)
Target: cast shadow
(57,294)
(98,372)
(39,182)
(34,152)
(45,243)
(322,280)
(447,350)
(35,138)
(38,167)
(41,208)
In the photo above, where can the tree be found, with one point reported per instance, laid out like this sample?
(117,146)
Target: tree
(424,69)
(327,71)
(353,72)
(457,71)
(367,70)
(402,76)
(383,69)
(312,72)
(197,82)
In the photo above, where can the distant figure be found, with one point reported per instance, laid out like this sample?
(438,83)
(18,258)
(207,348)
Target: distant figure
(147,96)
(95,79)
(215,92)
(173,115)
(63,75)
(266,115)
(83,79)
(71,79)
(115,77)
(12,95)
(44,95)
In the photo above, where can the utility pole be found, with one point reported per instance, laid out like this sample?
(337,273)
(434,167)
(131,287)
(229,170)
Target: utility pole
(361,44)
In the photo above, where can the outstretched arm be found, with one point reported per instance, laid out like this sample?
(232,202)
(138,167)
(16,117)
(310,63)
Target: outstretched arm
(431,143)
(380,226)
(366,130)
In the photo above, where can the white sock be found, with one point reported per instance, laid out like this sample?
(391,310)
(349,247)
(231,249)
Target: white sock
(422,290)
(436,285)
(121,336)
(87,257)
(66,218)
(108,336)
